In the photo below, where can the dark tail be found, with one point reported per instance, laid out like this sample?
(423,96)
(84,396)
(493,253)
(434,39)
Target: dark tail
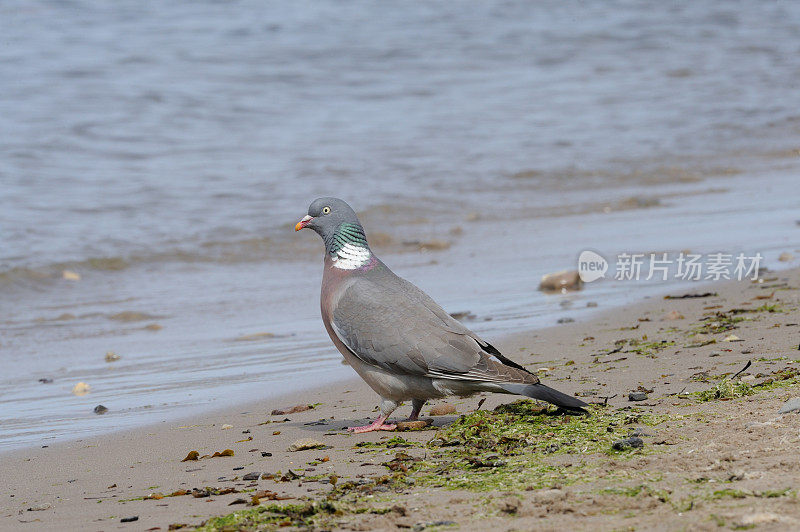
(545,393)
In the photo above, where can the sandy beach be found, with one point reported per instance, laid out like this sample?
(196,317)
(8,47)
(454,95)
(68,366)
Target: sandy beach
(715,451)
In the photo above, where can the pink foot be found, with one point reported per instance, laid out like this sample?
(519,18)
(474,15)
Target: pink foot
(378,424)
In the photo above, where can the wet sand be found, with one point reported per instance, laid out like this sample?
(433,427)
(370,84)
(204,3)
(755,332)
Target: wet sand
(704,464)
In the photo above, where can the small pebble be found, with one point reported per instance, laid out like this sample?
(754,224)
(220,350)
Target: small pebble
(637,396)
(565,320)
(129,519)
(70,275)
(414,425)
(100,410)
(81,389)
(442,409)
(266,454)
(255,475)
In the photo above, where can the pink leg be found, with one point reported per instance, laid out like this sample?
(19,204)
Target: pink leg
(378,424)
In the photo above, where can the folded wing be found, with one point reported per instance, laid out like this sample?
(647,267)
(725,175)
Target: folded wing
(398,328)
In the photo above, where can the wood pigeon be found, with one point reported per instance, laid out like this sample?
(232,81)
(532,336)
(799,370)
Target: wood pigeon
(404,345)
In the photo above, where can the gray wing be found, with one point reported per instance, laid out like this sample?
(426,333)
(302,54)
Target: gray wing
(395,326)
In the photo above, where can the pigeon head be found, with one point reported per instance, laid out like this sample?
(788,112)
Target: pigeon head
(336,223)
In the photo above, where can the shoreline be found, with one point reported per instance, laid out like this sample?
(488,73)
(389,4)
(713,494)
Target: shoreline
(181,348)
(97,481)
(583,315)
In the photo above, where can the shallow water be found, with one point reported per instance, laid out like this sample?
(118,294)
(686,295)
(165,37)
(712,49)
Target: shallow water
(163,152)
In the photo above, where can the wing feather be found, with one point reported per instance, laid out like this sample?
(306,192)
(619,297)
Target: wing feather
(398,328)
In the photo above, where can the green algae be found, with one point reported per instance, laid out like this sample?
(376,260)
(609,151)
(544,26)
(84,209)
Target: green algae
(273,515)
(728,389)
(639,346)
(524,446)
(390,443)
(731,493)
(718,323)
(648,349)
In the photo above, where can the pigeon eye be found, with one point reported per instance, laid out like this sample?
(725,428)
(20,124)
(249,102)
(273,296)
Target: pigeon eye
(326,210)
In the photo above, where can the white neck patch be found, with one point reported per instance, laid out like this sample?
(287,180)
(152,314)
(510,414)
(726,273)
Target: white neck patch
(351,256)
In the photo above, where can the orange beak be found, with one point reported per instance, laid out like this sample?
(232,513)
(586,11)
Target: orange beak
(304,222)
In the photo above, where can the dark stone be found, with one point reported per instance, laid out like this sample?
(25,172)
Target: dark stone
(628,443)
(266,454)
(565,320)
(129,519)
(238,468)
(488,462)
(255,475)
(100,410)
(637,396)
